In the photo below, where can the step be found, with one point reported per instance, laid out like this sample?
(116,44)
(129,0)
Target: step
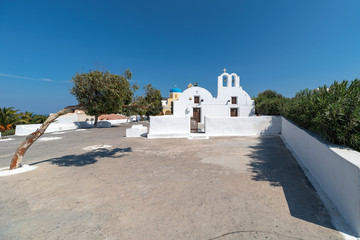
(198,136)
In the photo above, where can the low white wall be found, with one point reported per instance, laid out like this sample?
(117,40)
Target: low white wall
(242,126)
(26,129)
(169,127)
(117,121)
(69,118)
(136,131)
(336,170)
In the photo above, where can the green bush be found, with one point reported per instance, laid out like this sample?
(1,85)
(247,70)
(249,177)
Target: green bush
(332,112)
(8,132)
(269,102)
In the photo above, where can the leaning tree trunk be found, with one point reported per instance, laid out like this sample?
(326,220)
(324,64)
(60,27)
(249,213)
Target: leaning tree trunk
(31,138)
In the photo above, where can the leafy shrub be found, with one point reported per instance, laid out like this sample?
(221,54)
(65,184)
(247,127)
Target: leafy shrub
(332,112)
(8,132)
(269,102)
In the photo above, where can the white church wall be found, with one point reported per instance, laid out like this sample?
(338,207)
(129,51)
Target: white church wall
(336,170)
(187,99)
(213,106)
(247,110)
(169,127)
(226,92)
(206,110)
(242,126)
(184,106)
(229,83)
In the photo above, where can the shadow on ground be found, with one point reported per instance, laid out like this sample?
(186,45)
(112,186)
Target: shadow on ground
(273,162)
(86,158)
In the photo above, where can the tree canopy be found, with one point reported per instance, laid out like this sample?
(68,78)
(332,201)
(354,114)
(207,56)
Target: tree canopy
(152,100)
(8,118)
(102,92)
(269,102)
(148,104)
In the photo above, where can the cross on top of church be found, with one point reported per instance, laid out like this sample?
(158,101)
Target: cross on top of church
(224,70)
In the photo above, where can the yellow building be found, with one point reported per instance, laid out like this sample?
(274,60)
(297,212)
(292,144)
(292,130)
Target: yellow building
(173,96)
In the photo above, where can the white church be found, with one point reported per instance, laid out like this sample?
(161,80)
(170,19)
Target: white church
(231,100)
(197,114)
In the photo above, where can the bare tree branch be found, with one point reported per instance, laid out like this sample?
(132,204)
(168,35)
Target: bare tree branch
(31,138)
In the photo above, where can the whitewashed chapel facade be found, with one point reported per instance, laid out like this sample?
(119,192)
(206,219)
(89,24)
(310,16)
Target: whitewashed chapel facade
(231,100)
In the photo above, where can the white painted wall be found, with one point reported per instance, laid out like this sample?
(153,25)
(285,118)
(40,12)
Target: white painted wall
(62,123)
(185,104)
(226,92)
(219,106)
(169,127)
(336,170)
(242,126)
(89,124)
(136,131)
(26,129)
(117,121)
(69,118)
(211,106)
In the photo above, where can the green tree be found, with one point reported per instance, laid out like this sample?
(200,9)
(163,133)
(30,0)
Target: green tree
(27,116)
(102,92)
(31,118)
(38,118)
(152,101)
(269,102)
(149,104)
(9,117)
(140,106)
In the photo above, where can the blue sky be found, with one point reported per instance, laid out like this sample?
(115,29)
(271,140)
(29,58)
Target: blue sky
(281,45)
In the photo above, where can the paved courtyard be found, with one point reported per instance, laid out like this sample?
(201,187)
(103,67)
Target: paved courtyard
(221,188)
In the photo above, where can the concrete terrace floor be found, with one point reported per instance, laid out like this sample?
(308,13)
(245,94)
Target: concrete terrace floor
(221,188)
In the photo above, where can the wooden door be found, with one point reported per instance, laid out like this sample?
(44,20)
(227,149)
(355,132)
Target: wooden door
(233,112)
(196,114)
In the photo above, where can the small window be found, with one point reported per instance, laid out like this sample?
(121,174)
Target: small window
(233,100)
(196,99)
(233,112)
(225,81)
(233,81)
